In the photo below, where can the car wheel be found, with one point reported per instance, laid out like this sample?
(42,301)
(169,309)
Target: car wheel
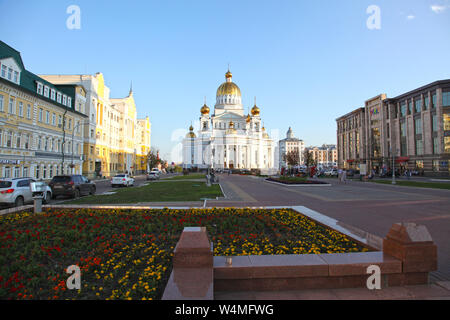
(19,201)
(47,197)
(76,194)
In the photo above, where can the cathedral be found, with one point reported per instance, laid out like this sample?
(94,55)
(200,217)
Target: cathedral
(228,138)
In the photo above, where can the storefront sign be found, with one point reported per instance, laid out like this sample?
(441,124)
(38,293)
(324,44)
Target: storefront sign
(7,161)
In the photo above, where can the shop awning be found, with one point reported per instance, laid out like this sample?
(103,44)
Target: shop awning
(402,159)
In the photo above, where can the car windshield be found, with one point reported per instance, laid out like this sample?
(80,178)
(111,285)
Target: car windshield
(119,176)
(5,184)
(61,179)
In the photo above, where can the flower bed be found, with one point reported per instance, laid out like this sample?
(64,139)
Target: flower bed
(127,254)
(295,180)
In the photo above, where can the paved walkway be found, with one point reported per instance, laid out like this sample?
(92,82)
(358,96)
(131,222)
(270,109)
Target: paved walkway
(437,291)
(368,206)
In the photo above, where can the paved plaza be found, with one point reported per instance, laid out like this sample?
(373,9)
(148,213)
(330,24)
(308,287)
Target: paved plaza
(368,206)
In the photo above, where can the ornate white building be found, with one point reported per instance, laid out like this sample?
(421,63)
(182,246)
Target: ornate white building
(228,138)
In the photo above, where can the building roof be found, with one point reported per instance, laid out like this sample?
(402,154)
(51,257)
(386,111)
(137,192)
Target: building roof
(28,79)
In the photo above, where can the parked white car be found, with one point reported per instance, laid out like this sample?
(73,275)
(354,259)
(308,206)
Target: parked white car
(122,180)
(332,172)
(16,192)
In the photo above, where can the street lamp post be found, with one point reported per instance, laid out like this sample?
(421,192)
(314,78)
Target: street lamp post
(393,168)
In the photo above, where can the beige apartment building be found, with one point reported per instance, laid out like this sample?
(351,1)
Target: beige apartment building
(326,155)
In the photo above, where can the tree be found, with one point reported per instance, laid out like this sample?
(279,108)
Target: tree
(309,160)
(152,158)
(292,158)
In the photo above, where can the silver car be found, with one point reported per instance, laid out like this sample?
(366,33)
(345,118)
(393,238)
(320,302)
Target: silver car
(16,192)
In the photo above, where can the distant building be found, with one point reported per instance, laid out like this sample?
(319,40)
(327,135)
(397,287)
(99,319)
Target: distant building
(326,155)
(414,127)
(290,144)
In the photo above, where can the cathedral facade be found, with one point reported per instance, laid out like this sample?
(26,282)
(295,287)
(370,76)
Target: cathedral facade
(228,138)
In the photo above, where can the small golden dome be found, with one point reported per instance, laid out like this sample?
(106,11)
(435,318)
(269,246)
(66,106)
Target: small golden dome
(264,133)
(248,118)
(255,111)
(228,74)
(191,133)
(204,109)
(231,124)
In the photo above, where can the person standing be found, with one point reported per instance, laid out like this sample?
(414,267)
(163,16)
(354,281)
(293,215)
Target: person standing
(344,176)
(340,175)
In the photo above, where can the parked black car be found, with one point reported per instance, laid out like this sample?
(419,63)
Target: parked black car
(72,186)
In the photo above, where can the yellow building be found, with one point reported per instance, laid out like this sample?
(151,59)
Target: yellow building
(40,123)
(112,136)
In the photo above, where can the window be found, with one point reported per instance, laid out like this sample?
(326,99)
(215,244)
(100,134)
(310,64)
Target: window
(64,100)
(9,139)
(18,145)
(11,105)
(40,88)
(447,145)
(446,121)
(445,98)
(54,119)
(60,121)
(41,114)
(46,91)
(16,77)
(436,145)
(10,73)
(70,123)
(7,172)
(419,164)
(58,97)
(410,105)
(25,171)
(4,71)
(69,102)
(426,102)
(418,105)
(434,123)
(28,111)
(433,100)
(27,141)
(47,117)
(44,175)
(16,172)
(53,94)
(20,109)
(1,103)
(403,129)
(39,145)
(38,171)
(418,125)
(419,147)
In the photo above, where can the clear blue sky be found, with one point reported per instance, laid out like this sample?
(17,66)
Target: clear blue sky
(308,62)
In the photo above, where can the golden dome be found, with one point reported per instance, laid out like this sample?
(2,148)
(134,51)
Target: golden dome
(204,109)
(228,88)
(248,118)
(231,129)
(228,74)
(255,111)
(191,133)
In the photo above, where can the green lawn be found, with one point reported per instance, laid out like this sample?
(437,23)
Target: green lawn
(156,192)
(188,177)
(433,185)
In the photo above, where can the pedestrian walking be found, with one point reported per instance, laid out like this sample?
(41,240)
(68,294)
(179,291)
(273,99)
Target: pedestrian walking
(344,176)
(340,175)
